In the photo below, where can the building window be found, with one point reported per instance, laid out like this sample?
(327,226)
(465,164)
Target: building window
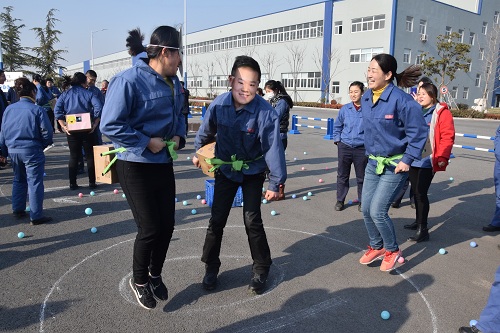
(472,36)
(484,30)
(303,80)
(481,53)
(465,95)
(407,56)
(364,55)
(419,58)
(448,31)
(423,27)
(470,66)
(338,28)
(368,23)
(461,33)
(335,87)
(409,23)
(478,80)
(453,92)
(195,81)
(496,17)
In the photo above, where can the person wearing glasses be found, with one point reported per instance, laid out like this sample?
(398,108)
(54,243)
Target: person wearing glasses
(143,116)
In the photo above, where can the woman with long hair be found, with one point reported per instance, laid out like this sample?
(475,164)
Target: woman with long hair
(143,117)
(395,135)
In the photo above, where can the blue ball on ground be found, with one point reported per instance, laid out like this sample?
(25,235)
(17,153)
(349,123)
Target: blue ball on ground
(264,201)
(294,196)
(273,212)
(92,193)
(473,322)
(88,211)
(184,203)
(304,198)
(198,197)
(473,244)
(309,194)
(442,251)
(20,235)
(193,211)
(93,230)
(349,202)
(28,208)
(451,179)
(385,315)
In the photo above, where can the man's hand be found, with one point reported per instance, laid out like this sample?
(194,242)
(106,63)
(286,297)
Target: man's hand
(270,195)
(177,140)
(196,162)
(156,145)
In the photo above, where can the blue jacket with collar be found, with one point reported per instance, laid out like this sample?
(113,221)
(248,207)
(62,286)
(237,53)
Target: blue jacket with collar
(97,92)
(393,125)
(140,105)
(348,126)
(426,161)
(25,128)
(75,100)
(249,133)
(42,97)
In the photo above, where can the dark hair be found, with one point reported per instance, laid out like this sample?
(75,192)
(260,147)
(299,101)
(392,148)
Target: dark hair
(431,90)
(246,61)
(105,81)
(37,77)
(425,79)
(78,79)
(134,42)
(1,71)
(406,78)
(260,92)
(163,35)
(276,86)
(91,72)
(24,87)
(66,82)
(360,85)
(49,79)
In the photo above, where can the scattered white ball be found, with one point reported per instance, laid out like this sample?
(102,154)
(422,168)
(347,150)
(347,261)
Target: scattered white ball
(264,201)
(473,244)
(294,196)
(198,197)
(20,235)
(309,194)
(184,203)
(273,212)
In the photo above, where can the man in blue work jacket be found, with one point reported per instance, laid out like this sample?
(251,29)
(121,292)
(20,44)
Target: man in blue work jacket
(246,130)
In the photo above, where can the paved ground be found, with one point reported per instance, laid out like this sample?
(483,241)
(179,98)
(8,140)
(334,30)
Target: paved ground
(63,278)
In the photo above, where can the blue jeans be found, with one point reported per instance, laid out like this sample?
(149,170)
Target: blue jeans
(378,193)
(28,180)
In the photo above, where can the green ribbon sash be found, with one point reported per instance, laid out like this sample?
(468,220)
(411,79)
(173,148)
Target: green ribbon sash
(169,144)
(382,162)
(236,165)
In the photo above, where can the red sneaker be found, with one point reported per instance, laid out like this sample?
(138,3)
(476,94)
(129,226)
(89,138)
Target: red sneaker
(371,255)
(390,260)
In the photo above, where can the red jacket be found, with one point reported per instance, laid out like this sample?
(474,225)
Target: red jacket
(442,135)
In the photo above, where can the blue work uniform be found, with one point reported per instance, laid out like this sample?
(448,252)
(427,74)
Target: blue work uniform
(26,131)
(496,174)
(426,161)
(141,105)
(99,95)
(55,91)
(394,125)
(348,126)
(251,133)
(42,97)
(76,100)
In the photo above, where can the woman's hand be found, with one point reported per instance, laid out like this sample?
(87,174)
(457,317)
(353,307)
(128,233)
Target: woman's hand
(156,145)
(177,140)
(402,167)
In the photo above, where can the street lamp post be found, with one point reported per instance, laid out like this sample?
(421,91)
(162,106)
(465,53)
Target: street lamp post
(92,46)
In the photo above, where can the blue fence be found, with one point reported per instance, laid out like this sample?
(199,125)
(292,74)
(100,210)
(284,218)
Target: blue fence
(474,136)
(328,128)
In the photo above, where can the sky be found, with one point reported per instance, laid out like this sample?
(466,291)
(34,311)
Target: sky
(79,20)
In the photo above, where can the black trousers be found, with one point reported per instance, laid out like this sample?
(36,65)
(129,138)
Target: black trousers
(75,142)
(420,179)
(224,192)
(348,155)
(150,192)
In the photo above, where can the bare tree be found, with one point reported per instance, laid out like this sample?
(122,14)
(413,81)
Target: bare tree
(332,62)
(195,70)
(269,63)
(295,60)
(248,50)
(225,61)
(209,67)
(491,59)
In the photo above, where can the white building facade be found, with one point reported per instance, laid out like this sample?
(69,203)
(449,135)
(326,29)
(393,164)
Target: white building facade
(316,51)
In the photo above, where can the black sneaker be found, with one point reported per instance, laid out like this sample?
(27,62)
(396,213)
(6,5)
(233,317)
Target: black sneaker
(160,291)
(41,220)
(73,187)
(258,283)
(19,214)
(143,294)
(210,280)
(339,206)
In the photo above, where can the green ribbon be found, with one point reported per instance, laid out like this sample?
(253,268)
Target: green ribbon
(236,165)
(382,162)
(169,144)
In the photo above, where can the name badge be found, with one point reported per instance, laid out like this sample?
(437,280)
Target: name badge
(389,116)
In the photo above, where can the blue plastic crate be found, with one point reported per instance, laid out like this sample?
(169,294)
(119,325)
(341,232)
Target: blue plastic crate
(209,194)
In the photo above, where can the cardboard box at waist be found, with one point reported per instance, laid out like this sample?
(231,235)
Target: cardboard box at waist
(79,122)
(207,151)
(101,162)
